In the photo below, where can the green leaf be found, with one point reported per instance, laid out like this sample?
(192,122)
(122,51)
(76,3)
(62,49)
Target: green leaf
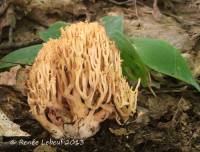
(22,56)
(164,58)
(53,31)
(132,65)
(113,24)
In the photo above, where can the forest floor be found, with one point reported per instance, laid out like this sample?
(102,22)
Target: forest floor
(168,121)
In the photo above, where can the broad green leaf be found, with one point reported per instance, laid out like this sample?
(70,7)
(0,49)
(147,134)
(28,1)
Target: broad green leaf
(112,24)
(53,31)
(132,65)
(164,58)
(22,56)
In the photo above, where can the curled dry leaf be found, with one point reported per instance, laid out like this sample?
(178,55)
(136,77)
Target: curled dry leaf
(76,83)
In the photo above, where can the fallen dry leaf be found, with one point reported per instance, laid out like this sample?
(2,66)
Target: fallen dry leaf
(9,77)
(40,10)
(8,128)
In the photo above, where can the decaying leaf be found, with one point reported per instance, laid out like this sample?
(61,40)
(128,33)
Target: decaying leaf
(121,131)
(142,115)
(160,106)
(21,78)
(44,148)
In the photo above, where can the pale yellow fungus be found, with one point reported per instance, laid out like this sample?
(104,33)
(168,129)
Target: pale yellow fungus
(76,83)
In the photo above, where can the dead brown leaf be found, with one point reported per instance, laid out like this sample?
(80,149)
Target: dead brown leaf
(15,77)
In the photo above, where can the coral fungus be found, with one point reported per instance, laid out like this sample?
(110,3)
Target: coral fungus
(76,83)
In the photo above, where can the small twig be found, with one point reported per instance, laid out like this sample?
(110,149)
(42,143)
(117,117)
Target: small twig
(136,10)
(127,2)
(150,88)
(121,3)
(16,45)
